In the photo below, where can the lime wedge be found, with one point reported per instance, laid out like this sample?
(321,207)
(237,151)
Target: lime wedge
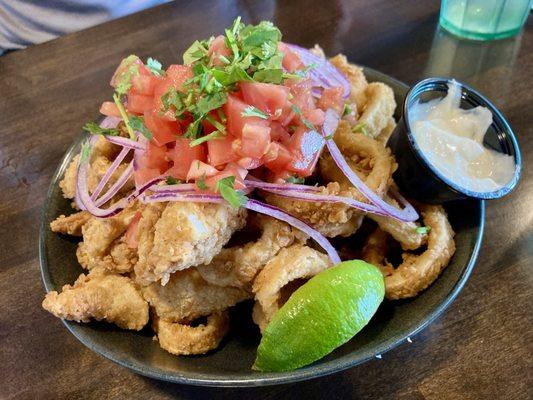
(321,315)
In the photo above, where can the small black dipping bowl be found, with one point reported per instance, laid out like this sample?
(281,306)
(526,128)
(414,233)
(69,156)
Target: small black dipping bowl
(417,177)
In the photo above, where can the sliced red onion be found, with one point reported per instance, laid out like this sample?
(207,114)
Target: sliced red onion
(328,129)
(126,142)
(116,162)
(280,186)
(324,74)
(195,197)
(275,212)
(113,190)
(110,122)
(179,188)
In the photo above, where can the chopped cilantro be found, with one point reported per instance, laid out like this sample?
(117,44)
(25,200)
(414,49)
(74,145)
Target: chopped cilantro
(85,151)
(172,181)
(251,111)
(347,110)
(137,124)
(201,184)
(295,179)
(422,230)
(329,137)
(195,52)
(360,127)
(155,66)
(124,115)
(209,102)
(270,76)
(174,98)
(95,129)
(126,70)
(306,122)
(211,136)
(225,187)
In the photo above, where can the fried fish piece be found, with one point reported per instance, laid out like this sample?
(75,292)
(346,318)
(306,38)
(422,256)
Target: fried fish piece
(184,339)
(237,266)
(188,296)
(104,244)
(175,236)
(416,272)
(272,287)
(100,295)
(70,225)
(355,76)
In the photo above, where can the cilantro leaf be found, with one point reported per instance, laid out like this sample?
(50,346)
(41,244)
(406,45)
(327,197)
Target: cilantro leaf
(95,129)
(251,111)
(174,98)
(201,184)
(360,127)
(137,124)
(295,179)
(195,52)
(225,187)
(422,230)
(126,70)
(172,181)
(155,66)
(194,129)
(211,136)
(210,102)
(347,110)
(269,76)
(85,151)
(124,115)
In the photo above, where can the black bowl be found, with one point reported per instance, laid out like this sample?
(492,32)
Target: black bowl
(417,177)
(230,365)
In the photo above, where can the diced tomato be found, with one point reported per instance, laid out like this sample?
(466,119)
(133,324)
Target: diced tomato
(144,84)
(155,157)
(109,109)
(139,103)
(132,232)
(221,151)
(301,92)
(175,77)
(282,159)
(182,155)
(199,170)
(255,140)
(233,109)
(143,175)
(218,48)
(163,131)
(291,61)
(267,97)
(278,133)
(249,163)
(332,98)
(305,146)
(211,182)
(315,116)
(237,170)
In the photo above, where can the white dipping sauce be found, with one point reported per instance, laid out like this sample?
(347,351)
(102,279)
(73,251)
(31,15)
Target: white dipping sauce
(452,140)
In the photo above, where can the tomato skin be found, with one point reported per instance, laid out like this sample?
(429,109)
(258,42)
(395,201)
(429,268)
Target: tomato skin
(110,109)
(155,157)
(315,116)
(138,103)
(255,140)
(291,61)
(182,155)
(163,131)
(200,170)
(221,151)
(143,175)
(233,109)
(332,98)
(282,159)
(218,48)
(144,84)
(267,97)
(305,147)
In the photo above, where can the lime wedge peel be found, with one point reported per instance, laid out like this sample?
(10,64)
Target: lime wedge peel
(321,315)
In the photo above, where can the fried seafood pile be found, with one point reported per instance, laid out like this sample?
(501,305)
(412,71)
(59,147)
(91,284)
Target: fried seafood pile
(183,264)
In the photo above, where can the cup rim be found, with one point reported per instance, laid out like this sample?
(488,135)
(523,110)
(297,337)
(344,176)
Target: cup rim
(498,120)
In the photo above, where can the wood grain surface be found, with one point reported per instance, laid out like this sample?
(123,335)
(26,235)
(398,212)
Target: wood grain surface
(479,349)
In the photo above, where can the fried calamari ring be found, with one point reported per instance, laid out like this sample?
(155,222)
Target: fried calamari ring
(182,339)
(188,296)
(386,132)
(272,287)
(237,266)
(356,77)
(403,232)
(416,272)
(379,108)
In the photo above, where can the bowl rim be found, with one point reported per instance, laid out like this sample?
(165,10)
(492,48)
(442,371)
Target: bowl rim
(259,378)
(425,86)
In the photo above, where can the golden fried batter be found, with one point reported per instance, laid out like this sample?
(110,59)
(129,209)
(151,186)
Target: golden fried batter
(188,296)
(237,266)
(70,225)
(100,295)
(356,77)
(291,264)
(416,272)
(103,242)
(175,236)
(182,339)
(378,109)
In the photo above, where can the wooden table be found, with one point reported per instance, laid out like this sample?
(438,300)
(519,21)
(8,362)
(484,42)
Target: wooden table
(479,349)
